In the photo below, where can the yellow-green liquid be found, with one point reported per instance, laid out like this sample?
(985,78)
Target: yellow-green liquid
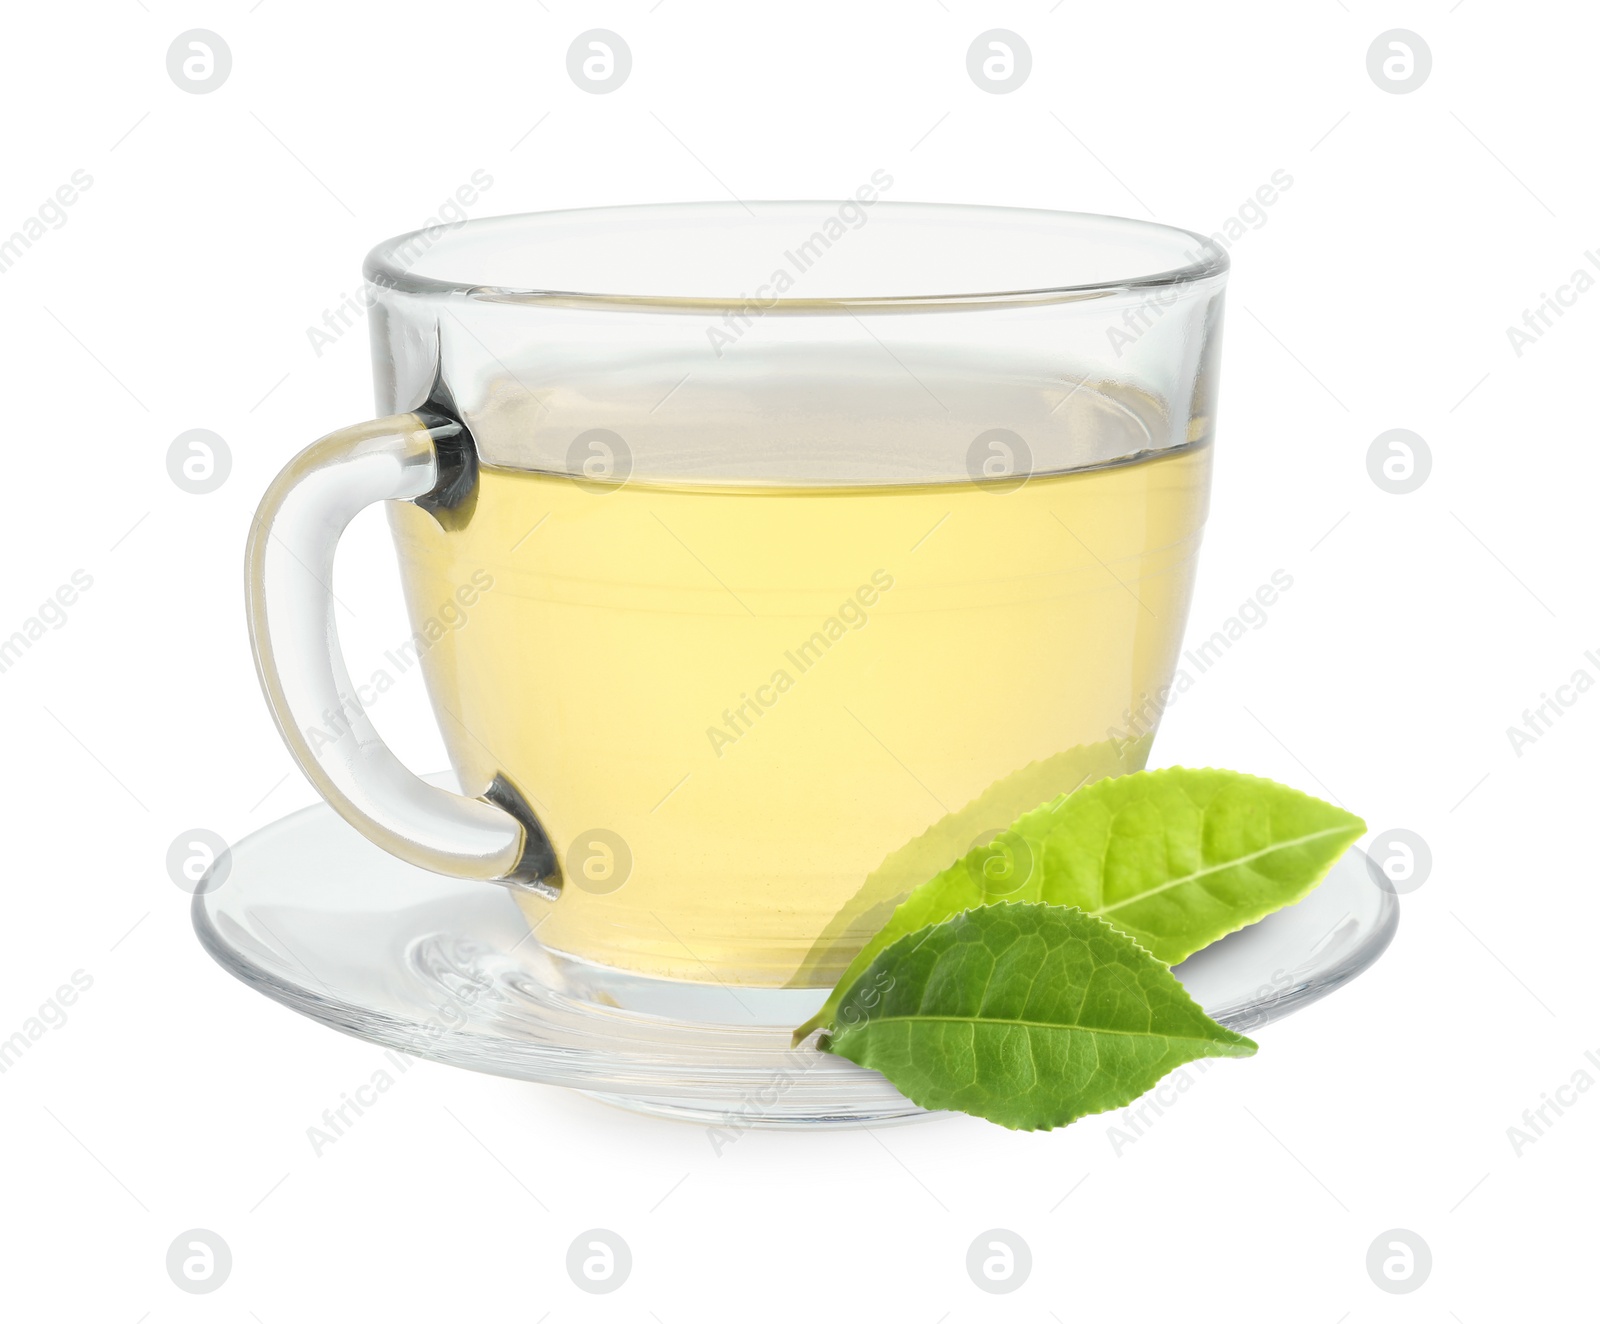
(766,693)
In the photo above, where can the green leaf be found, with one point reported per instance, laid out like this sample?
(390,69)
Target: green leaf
(1029,1015)
(1177,858)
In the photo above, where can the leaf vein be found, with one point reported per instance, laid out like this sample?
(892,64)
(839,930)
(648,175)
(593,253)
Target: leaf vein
(1218,868)
(920,1018)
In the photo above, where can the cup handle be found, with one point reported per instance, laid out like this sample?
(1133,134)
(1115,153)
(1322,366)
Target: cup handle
(289,602)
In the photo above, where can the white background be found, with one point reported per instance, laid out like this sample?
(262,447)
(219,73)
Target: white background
(1377,295)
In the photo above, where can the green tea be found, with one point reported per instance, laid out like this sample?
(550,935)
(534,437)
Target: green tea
(729,705)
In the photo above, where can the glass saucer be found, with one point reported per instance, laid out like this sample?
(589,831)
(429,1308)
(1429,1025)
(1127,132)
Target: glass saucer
(319,919)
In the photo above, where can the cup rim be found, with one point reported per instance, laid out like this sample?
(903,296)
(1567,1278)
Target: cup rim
(1207,261)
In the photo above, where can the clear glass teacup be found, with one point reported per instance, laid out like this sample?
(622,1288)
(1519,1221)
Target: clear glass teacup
(762,559)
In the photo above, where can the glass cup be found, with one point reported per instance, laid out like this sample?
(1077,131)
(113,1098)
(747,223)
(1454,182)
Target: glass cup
(762,560)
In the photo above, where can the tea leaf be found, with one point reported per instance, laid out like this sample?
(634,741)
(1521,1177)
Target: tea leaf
(1177,858)
(1028,1015)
